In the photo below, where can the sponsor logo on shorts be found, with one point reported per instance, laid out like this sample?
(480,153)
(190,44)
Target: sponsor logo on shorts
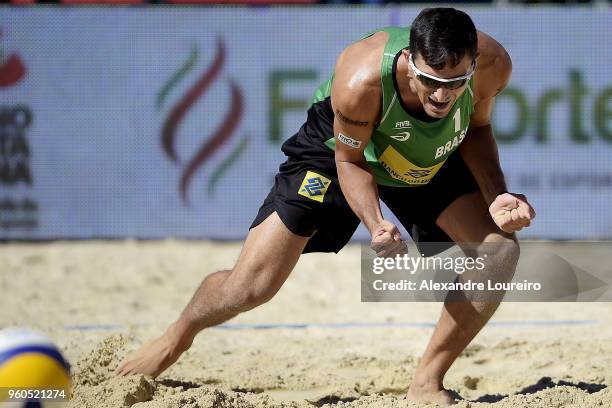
(314,186)
(349,141)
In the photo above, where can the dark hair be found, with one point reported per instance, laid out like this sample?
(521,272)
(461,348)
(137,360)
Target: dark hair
(443,36)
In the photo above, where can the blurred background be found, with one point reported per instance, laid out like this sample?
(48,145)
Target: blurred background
(124,119)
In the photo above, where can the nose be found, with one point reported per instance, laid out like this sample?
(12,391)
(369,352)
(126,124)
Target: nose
(441,95)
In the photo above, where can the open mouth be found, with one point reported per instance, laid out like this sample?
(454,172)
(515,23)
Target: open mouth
(439,105)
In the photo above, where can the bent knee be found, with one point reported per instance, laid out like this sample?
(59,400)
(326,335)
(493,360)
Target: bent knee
(503,251)
(254,287)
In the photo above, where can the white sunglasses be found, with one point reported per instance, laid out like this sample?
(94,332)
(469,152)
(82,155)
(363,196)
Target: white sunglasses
(433,82)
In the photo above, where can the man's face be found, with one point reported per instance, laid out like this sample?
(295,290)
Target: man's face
(438,100)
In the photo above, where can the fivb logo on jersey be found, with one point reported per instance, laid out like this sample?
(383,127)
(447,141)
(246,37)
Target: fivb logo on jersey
(221,135)
(404,124)
(402,136)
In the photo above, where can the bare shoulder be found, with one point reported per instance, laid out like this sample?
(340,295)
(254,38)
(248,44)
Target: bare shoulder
(357,73)
(494,67)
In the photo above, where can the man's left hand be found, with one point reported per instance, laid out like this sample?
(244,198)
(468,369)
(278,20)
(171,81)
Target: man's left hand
(511,212)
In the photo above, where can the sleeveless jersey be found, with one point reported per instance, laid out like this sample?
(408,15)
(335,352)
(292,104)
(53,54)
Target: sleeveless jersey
(405,151)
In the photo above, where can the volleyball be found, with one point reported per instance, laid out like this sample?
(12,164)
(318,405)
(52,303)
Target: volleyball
(32,369)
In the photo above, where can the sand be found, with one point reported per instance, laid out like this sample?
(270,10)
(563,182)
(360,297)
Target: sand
(100,300)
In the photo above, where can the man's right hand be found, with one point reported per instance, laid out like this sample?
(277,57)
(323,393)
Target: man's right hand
(387,240)
(153,357)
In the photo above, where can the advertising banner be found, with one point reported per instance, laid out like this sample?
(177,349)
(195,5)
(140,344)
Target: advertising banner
(162,122)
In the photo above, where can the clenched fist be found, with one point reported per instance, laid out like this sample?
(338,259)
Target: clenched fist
(387,240)
(511,212)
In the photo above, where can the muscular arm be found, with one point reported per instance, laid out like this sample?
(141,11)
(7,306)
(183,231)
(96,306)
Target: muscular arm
(356,102)
(479,149)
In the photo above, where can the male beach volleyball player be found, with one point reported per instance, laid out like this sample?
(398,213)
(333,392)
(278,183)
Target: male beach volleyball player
(406,119)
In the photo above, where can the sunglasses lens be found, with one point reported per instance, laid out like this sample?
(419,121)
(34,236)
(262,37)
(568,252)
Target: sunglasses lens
(456,84)
(433,84)
(430,83)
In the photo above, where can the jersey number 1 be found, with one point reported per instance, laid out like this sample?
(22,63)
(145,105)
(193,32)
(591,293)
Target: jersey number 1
(457,118)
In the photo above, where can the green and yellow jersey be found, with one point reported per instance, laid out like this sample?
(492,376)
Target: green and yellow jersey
(403,151)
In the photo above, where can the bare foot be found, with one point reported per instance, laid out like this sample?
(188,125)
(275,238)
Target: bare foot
(428,393)
(153,357)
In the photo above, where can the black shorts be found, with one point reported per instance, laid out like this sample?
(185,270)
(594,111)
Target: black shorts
(306,196)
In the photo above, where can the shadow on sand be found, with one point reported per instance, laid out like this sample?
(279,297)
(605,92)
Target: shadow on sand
(542,384)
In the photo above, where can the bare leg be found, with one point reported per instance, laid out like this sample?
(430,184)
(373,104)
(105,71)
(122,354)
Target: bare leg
(268,256)
(466,220)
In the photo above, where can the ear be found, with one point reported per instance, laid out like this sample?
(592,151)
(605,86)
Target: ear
(406,54)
